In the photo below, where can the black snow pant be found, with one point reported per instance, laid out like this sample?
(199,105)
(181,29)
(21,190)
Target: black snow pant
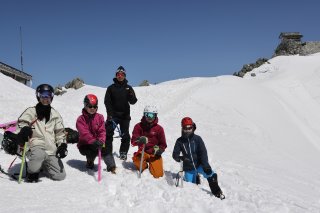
(91,153)
(123,133)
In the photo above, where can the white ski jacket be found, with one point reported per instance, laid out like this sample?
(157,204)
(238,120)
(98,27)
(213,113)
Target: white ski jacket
(46,135)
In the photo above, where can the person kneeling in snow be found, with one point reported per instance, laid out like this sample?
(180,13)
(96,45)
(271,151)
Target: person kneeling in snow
(92,134)
(42,128)
(149,134)
(195,157)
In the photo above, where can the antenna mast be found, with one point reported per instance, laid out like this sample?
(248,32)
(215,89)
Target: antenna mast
(21,58)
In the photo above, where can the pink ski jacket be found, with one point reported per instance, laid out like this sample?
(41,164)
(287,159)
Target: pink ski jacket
(90,128)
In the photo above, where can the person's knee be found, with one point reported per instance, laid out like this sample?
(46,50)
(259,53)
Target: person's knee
(157,173)
(59,176)
(109,129)
(36,155)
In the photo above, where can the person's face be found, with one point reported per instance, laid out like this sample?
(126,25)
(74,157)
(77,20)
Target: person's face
(120,76)
(187,130)
(91,109)
(45,98)
(150,117)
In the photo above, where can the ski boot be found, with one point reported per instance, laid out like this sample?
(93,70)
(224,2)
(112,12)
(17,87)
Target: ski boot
(214,186)
(123,156)
(32,178)
(90,164)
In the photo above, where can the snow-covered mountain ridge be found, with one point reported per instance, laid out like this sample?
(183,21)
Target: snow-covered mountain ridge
(262,134)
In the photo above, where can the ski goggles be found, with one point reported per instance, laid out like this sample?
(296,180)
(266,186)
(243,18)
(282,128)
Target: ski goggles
(45,94)
(150,115)
(92,106)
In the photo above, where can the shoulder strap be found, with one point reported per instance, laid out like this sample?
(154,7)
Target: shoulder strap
(35,120)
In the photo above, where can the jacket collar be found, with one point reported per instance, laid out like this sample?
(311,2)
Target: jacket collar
(146,125)
(87,115)
(124,82)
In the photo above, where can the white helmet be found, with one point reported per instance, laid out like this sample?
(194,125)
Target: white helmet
(150,108)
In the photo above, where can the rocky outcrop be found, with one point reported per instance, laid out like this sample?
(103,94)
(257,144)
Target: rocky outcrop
(144,83)
(75,84)
(290,44)
(249,67)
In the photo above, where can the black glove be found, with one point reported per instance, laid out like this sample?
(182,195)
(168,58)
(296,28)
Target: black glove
(142,140)
(72,135)
(24,134)
(130,93)
(183,158)
(62,151)
(180,158)
(97,145)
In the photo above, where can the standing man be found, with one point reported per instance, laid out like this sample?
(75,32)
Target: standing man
(117,99)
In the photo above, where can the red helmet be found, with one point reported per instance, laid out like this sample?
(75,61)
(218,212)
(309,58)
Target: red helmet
(90,99)
(186,121)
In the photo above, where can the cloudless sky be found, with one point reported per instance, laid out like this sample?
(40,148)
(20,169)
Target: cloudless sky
(154,40)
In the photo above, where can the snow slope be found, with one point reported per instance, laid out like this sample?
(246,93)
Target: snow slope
(262,134)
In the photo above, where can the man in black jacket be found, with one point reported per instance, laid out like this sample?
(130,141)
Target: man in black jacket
(195,157)
(117,99)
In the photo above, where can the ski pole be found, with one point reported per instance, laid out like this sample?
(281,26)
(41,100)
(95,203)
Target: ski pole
(22,163)
(181,173)
(179,177)
(99,165)
(142,155)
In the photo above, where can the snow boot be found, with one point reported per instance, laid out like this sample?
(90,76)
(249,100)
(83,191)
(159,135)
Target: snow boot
(32,178)
(123,156)
(112,170)
(90,163)
(214,186)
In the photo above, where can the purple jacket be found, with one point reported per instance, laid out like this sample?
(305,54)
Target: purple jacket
(90,128)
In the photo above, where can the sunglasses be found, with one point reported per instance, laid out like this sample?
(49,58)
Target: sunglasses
(149,115)
(92,106)
(120,74)
(187,128)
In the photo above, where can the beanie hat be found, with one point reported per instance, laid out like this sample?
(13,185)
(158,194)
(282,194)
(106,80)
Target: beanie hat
(121,69)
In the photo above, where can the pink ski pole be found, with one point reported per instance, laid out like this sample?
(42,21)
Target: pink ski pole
(99,165)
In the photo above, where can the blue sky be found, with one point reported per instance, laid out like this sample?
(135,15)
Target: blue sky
(154,40)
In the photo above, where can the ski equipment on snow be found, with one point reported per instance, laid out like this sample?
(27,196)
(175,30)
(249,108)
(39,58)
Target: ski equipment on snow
(22,163)
(99,165)
(115,126)
(179,177)
(141,160)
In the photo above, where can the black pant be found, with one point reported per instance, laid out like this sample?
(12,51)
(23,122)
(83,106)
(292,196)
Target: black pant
(90,151)
(111,126)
